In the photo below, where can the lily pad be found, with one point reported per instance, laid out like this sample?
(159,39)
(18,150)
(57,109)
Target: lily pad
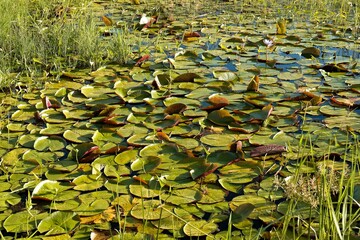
(59,222)
(150,210)
(199,228)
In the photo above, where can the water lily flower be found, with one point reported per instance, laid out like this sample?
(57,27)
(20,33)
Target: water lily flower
(144,19)
(268,42)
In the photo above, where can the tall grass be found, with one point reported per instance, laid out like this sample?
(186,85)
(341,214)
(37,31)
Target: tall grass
(45,36)
(329,194)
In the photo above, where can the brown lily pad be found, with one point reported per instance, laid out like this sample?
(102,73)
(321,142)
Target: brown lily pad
(267,150)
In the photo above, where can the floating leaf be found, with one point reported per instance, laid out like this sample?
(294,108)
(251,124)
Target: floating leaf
(241,213)
(88,182)
(147,164)
(11,158)
(150,210)
(254,84)
(48,190)
(267,150)
(59,222)
(217,140)
(52,143)
(221,117)
(15,222)
(186,77)
(310,51)
(175,108)
(85,152)
(78,135)
(226,76)
(199,228)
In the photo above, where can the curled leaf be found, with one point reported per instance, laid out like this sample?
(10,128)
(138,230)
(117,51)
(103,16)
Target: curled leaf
(108,21)
(254,84)
(175,108)
(281,27)
(267,150)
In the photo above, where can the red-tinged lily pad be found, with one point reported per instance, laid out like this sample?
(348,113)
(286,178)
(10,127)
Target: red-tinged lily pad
(345,101)
(84,152)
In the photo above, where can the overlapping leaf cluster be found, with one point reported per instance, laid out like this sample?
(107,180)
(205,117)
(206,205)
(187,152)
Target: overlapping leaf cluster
(172,145)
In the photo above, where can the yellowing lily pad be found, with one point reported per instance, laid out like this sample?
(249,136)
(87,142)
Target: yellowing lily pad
(150,210)
(218,140)
(199,228)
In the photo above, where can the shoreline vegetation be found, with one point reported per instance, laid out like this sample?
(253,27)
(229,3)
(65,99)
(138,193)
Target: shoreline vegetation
(179,119)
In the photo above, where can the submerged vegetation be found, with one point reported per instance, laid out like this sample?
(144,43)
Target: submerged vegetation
(179,119)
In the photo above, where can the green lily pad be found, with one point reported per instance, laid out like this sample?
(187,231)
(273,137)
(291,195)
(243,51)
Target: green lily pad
(88,182)
(126,157)
(15,222)
(8,199)
(11,158)
(77,114)
(48,190)
(221,117)
(181,196)
(150,210)
(59,222)
(186,77)
(52,143)
(79,135)
(143,191)
(146,164)
(241,213)
(199,228)
(218,140)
